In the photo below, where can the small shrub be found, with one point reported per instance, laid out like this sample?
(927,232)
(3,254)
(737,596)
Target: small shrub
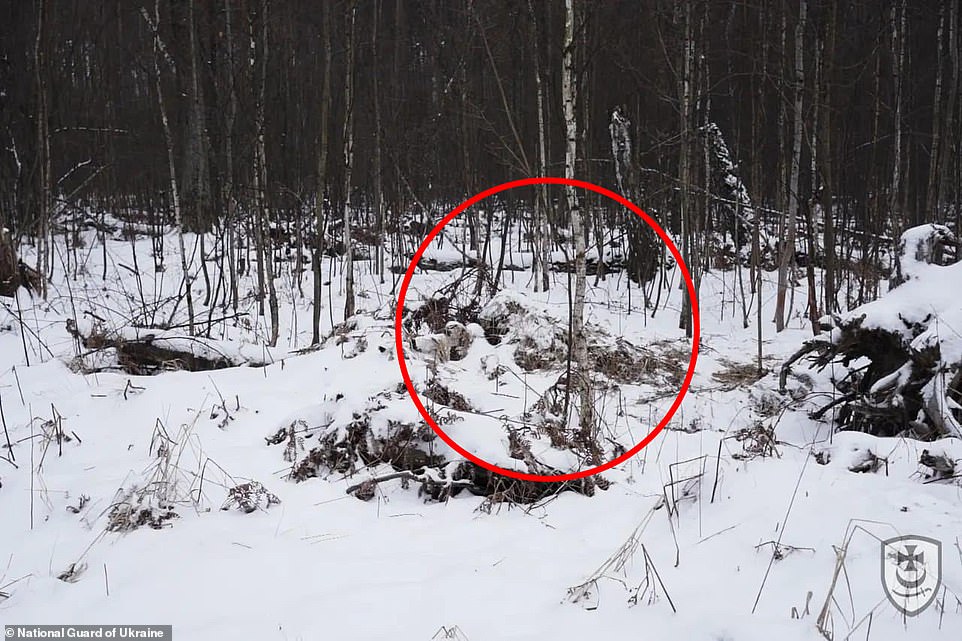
(249,497)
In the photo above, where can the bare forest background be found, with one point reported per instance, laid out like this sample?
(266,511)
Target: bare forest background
(737,126)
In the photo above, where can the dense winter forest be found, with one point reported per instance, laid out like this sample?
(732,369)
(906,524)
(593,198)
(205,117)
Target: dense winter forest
(255,116)
(212,322)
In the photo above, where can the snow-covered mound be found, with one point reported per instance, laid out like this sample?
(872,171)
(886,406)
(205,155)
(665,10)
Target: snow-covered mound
(924,308)
(901,355)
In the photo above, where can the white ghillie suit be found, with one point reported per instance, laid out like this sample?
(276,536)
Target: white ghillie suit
(451,344)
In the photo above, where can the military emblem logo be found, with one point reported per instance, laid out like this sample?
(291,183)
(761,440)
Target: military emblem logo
(911,572)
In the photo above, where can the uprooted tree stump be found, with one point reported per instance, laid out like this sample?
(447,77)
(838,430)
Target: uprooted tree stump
(900,356)
(9,274)
(14,273)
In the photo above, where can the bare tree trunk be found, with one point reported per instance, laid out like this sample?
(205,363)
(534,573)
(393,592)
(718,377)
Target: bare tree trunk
(875,186)
(952,97)
(579,344)
(898,50)
(258,218)
(787,257)
(171,167)
(230,196)
(520,156)
(825,161)
(323,143)
(265,204)
(701,226)
(378,162)
(541,260)
(198,148)
(45,201)
(349,162)
(931,192)
(467,166)
(757,118)
(684,161)
(196,174)
(265,253)
(781,195)
(808,207)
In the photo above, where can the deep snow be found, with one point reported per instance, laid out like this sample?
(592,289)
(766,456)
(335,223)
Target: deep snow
(323,564)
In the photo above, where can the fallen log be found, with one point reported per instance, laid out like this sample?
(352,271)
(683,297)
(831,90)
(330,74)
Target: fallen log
(431,485)
(477,481)
(440,265)
(146,352)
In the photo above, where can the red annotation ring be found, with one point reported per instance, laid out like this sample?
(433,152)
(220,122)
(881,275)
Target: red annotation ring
(696,328)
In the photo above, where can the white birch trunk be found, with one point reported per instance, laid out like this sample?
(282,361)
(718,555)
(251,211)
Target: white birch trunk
(579,343)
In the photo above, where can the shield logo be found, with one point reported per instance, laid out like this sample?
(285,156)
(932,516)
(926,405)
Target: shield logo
(911,572)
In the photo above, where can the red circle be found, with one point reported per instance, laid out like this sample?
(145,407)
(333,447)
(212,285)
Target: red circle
(696,328)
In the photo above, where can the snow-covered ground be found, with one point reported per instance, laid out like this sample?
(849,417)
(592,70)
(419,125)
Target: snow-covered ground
(714,531)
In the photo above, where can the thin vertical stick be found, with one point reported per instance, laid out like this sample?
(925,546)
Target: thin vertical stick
(19,387)
(23,334)
(651,564)
(31,469)
(6,434)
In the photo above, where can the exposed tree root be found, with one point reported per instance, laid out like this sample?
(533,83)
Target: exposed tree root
(894,378)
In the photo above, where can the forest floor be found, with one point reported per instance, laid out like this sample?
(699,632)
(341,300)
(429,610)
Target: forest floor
(727,527)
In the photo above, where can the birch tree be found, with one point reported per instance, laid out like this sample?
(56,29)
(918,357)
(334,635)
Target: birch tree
(45,191)
(579,344)
(323,143)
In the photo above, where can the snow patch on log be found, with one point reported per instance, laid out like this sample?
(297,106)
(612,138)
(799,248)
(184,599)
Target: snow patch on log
(143,350)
